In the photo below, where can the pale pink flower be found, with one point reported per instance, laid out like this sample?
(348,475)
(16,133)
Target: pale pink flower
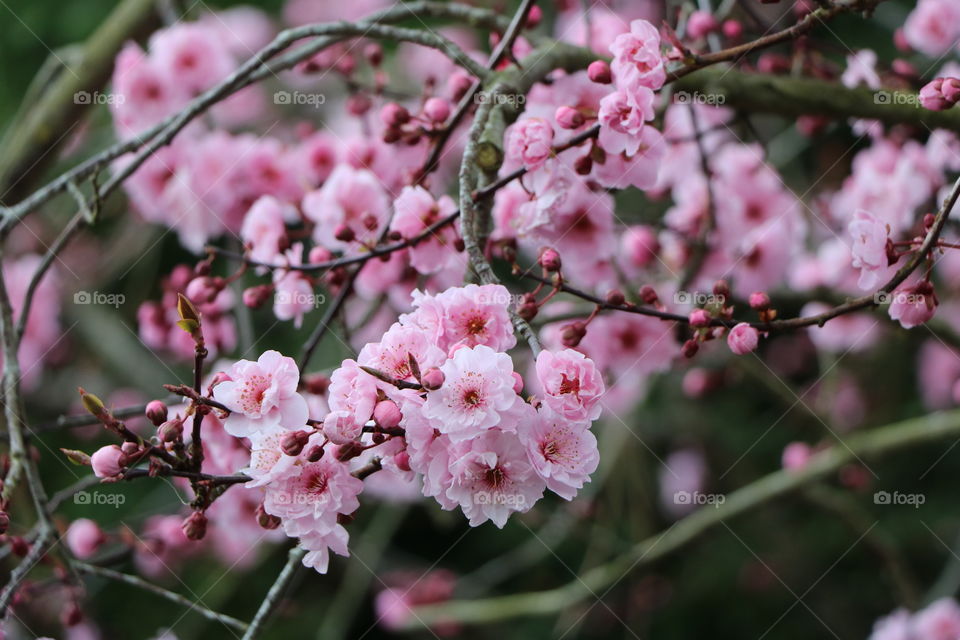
(896,626)
(796,455)
(640,170)
(392,353)
(317,158)
(293,291)
(267,461)
(869,250)
(933,27)
(352,390)
(471,315)
(191,55)
(940,620)
(637,62)
(84,537)
(622,118)
(414,211)
(562,451)
(341,427)
(350,197)
(530,142)
(394,605)
(913,305)
(262,395)
(743,339)
(264,229)
(572,386)
(143,93)
(492,478)
(476,395)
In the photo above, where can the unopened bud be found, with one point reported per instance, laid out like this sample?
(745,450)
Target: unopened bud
(616,298)
(571,334)
(432,379)
(437,110)
(292,443)
(314,453)
(759,301)
(549,259)
(649,295)
(394,115)
(387,414)
(266,520)
(171,430)
(599,72)
(568,117)
(195,526)
(156,412)
(690,348)
(349,451)
(344,233)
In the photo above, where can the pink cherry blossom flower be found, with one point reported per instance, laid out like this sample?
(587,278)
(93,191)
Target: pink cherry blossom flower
(351,197)
(414,211)
(476,395)
(572,386)
(796,455)
(743,339)
(392,353)
(341,427)
(636,58)
(263,229)
(262,395)
(933,27)
(353,391)
(293,290)
(869,250)
(913,305)
(562,451)
(491,477)
(622,118)
(191,55)
(530,142)
(940,620)
(471,315)
(896,626)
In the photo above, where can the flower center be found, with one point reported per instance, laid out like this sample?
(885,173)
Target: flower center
(251,397)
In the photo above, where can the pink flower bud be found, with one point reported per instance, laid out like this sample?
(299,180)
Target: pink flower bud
(358,104)
(616,298)
(156,412)
(458,84)
(130,449)
(387,414)
(195,526)
(266,520)
(649,295)
(402,460)
(759,301)
(394,115)
(796,455)
(292,443)
(437,110)
(84,537)
(255,297)
(171,430)
(344,233)
(932,98)
(599,72)
(319,255)
(699,319)
(203,290)
(316,383)
(314,453)
(640,246)
(549,259)
(373,52)
(571,334)
(107,462)
(743,339)
(432,379)
(568,117)
(700,23)
(732,29)
(951,90)
(690,348)
(534,16)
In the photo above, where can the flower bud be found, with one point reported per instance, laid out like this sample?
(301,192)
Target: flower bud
(156,412)
(437,110)
(701,23)
(344,233)
(690,348)
(266,520)
(314,453)
(549,259)
(599,72)
(171,430)
(292,443)
(759,301)
(616,298)
(316,383)
(571,334)
(255,297)
(394,115)
(732,29)
(458,84)
(349,451)
(402,460)
(107,462)
(528,308)
(743,339)
(387,414)
(699,319)
(568,117)
(358,104)
(130,449)
(534,16)
(517,382)
(649,295)
(432,379)
(195,526)
(84,537)
(583,165)
(373,52)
